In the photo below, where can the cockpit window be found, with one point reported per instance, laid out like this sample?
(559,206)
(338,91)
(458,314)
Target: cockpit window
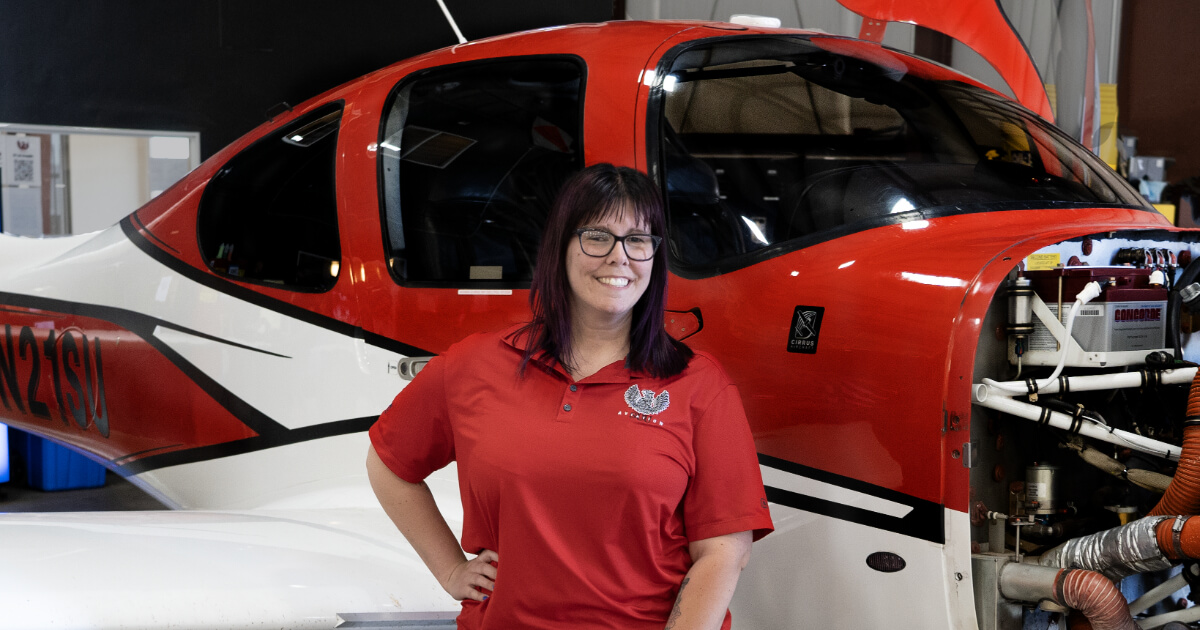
(470,160)
(269,216)
(768,144)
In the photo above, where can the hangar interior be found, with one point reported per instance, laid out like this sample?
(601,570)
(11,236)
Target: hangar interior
(1032,487)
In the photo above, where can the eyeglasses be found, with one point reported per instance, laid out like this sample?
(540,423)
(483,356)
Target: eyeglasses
(599,243)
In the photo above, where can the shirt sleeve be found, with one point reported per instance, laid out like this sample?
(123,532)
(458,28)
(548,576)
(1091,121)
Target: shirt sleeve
(725,494)
(413,436)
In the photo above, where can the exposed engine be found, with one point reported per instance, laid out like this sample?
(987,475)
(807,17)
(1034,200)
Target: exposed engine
(1085,442)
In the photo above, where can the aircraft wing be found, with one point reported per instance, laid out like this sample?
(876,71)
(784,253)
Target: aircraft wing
(208,569)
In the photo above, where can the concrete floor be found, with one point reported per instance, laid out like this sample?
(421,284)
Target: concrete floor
(115,494)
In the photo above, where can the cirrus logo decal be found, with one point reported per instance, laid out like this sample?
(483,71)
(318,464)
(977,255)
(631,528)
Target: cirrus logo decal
(805,329)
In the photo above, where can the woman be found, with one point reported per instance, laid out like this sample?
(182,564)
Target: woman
(611,469)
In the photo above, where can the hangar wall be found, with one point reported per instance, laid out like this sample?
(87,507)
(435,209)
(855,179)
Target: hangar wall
(1158,89)
(216,66)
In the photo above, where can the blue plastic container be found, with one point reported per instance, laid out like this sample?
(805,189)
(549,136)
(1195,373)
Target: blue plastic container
(49,466)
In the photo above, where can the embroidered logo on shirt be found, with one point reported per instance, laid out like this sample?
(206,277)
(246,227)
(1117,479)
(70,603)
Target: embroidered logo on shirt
(645,402)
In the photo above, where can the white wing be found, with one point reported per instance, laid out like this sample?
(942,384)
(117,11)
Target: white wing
(632,395)
(291,568)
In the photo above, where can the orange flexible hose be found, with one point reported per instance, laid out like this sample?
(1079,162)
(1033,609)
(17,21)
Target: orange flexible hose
(1102,605)
(1097,598)
(1076,621)
(1189,539)
(1183,495)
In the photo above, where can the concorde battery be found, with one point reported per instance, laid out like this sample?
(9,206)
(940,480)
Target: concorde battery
(1129,314)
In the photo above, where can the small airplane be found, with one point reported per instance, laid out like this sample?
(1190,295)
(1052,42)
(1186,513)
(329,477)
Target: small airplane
(849,225)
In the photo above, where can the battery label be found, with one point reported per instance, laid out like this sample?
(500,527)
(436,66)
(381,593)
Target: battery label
(1108,327)
(1140,314)
(1139,326)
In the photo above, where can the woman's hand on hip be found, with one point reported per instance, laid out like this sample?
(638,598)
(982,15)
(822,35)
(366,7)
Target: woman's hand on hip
(478,572)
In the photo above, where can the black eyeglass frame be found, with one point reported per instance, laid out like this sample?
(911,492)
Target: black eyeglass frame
(657,240)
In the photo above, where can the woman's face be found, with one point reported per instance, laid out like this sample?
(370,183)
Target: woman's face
(605,288)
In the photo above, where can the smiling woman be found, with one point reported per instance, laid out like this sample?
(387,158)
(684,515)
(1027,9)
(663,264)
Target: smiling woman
(606,462)
(582,296)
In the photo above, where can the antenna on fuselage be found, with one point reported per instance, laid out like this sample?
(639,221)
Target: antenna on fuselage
(453,24)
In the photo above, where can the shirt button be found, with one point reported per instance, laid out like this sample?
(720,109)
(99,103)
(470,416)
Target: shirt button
(574,388)
(566,407)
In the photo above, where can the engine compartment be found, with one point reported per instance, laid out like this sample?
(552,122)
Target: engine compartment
(1081,453)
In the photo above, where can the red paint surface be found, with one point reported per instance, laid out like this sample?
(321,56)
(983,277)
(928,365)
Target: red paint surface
(979,24)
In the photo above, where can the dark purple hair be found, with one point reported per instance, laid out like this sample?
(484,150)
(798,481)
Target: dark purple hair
(596,193)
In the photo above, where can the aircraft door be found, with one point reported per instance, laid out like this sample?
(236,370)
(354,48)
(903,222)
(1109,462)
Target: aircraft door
(470,158)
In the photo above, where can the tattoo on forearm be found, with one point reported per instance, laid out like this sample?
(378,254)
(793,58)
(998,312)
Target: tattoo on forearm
(675,612)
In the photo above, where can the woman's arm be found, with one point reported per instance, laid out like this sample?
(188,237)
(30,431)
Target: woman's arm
(412,508)
(704,595)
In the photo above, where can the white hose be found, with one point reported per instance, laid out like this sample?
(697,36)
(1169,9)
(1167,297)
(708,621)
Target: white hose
(1090,292)
(983,395)
(1157,594)
(1187,615)
(1097,382)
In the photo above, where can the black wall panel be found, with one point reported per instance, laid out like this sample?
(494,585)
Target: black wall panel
(216,66)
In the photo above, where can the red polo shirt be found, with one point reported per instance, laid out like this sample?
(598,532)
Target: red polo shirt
(589,491)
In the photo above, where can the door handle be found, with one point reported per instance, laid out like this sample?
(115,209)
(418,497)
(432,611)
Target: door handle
(409,367)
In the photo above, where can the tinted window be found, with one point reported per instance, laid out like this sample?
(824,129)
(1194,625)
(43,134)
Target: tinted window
(767,141)
(270,214)
(470,161)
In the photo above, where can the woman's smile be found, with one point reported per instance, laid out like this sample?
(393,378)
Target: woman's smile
(614,282)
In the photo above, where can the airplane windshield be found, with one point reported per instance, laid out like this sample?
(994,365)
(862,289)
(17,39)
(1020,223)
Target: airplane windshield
(768,144)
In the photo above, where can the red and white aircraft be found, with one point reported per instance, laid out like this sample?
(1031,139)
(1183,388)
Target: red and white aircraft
(845,219)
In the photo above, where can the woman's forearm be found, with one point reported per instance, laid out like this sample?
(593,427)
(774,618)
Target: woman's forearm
(708,587)
(412,508)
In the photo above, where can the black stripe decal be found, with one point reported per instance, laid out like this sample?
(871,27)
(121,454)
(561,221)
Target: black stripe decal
(196,333)
(142,228)
(924,521)
(248,445)
(245,294)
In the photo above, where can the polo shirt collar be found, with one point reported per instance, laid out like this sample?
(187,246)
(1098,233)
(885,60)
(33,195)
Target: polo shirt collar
(616,372)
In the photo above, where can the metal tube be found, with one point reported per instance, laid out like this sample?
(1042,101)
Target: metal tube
(1027,582)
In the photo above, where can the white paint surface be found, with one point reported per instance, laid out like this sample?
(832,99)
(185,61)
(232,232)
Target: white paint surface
(812,573)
